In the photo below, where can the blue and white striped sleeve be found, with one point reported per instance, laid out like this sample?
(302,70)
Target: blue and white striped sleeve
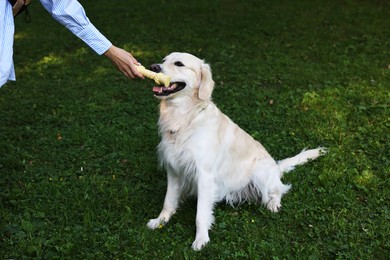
(71,14)
(7,29)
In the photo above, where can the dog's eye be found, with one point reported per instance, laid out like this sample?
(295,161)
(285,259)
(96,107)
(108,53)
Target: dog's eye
(179,64)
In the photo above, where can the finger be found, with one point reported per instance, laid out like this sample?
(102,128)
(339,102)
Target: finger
(130,74)
(17,6)
(135,71)
(127,72)
(136,62)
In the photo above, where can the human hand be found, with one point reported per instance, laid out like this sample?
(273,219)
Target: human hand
(124,62)
(18,5)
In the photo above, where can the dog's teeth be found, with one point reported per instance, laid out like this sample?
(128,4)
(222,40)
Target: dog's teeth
(172,86)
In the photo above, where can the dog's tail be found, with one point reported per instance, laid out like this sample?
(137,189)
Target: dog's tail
(289,164)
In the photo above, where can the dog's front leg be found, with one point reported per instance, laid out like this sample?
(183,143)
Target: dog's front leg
(204,214)
(170,203)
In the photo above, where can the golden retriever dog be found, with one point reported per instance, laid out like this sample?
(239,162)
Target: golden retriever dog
(206,154)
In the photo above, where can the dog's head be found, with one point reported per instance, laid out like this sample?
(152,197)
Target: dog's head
(190,76)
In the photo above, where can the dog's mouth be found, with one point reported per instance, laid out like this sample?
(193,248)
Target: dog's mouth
(166,91)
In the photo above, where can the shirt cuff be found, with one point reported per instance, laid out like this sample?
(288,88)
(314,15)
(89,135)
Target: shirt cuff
(94,39)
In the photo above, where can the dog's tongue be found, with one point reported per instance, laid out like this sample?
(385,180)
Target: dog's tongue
(158,89)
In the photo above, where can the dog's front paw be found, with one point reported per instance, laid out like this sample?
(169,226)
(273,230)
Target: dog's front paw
(200,242)
(155,223)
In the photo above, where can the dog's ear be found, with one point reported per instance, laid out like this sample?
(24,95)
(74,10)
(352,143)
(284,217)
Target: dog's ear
(206,82)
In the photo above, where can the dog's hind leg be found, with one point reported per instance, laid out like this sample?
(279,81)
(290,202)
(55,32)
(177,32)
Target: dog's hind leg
(204,214)
(275,194)
(170,203)
(266,179)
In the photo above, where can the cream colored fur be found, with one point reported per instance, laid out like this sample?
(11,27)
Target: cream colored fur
(206,154)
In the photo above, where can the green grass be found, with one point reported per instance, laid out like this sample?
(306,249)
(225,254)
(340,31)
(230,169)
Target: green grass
(79,176)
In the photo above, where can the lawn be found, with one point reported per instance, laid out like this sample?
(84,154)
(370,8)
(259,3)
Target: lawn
(79,176)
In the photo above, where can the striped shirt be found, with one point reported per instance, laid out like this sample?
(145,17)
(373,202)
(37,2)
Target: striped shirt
(69,13)
(7,29)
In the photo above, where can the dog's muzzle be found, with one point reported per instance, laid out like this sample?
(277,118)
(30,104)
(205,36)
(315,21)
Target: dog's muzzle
(166,91)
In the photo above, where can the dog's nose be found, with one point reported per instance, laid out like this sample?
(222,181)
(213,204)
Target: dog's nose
(155,68)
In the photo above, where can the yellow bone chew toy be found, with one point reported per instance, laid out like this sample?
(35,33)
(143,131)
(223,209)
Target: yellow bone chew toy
(159,78)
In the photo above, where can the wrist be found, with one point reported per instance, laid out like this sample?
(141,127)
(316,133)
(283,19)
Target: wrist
(108,53)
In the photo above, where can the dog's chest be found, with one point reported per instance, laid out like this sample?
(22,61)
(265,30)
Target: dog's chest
(182,135)
(174,140)
(176,148)
(171,135)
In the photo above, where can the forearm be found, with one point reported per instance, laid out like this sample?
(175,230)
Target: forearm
(71,14)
